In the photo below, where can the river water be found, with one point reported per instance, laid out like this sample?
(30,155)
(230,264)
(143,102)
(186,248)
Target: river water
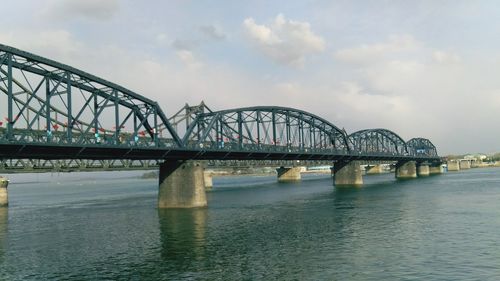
(105,226)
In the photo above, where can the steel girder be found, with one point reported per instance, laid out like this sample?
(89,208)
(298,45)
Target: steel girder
(421,147)
(378,141)
(265,129)
(44,165)
(46,102)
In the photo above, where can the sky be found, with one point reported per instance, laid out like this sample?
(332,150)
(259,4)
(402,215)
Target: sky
(419,68)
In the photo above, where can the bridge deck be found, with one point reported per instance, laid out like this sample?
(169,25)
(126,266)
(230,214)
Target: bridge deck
(54,151)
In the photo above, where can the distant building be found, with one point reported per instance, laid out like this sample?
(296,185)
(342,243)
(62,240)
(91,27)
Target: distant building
(477,157)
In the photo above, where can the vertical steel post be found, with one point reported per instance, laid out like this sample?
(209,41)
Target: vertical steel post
(69,127)
(47,109)
(219,121)
(218,137)
(320,139)
(10,114)
(117,118)
(301,131)
(135,126)
(96,122)
(155,130)
(274,126)
(313,134)
(188,115)
(199,127)
(258,127)
(288,133)
(240,131)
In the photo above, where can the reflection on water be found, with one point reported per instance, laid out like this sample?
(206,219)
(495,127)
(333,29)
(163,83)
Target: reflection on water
(182,235)
(4,216)
(435,228)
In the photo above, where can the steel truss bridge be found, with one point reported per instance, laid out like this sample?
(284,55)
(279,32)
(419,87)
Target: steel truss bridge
(54,114)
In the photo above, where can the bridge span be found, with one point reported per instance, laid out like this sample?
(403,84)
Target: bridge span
(52,111)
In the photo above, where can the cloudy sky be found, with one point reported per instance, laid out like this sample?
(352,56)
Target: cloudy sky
(419,68)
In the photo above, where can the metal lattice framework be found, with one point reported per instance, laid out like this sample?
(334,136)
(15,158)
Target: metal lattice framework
(265,129)
(421,147)
(42,165)
(51,111)
(187,114)
(51,103)
(378,141)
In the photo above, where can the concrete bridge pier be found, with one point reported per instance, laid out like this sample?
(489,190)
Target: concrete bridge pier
(4,197)
(423,170)
(347,174)
(208,179)
(288,174)
(406,170)
(372,170)
(181,185)
(464,164)
(435,170)
(453,165)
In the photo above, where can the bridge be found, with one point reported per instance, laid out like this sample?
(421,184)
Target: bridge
(52,111)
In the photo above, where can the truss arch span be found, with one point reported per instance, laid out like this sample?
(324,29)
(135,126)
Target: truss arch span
(265,128)
(46,102)
(421,147)
(378,141)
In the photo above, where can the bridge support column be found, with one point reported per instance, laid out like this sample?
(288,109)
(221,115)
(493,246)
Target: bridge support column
(435,170)
(406,170)
(377,169)
(207,178)
(181,185)
(4,198)
(288,174)
(347,174)
(423,170)
(474,164)
(464,164)
(453,165)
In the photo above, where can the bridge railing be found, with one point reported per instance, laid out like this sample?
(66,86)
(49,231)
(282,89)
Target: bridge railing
(103,139)
(42,165)
(266,148)
(252,147)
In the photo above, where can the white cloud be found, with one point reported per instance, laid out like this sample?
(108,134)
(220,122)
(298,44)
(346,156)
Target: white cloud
(86,9)
(285,41)
(179,44)
(288,88)
(54,44)
(416,90)
(187,57)
(393,77)
(377,109)
(445,57)
(161,38)
(213,32)
(396,44)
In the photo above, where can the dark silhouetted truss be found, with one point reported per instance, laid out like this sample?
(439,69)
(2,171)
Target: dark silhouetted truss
(265,129)
(421,147)
(378,142)
(51,111)
(47,102)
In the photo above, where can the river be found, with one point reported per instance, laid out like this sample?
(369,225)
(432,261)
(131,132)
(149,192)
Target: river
(105,226)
